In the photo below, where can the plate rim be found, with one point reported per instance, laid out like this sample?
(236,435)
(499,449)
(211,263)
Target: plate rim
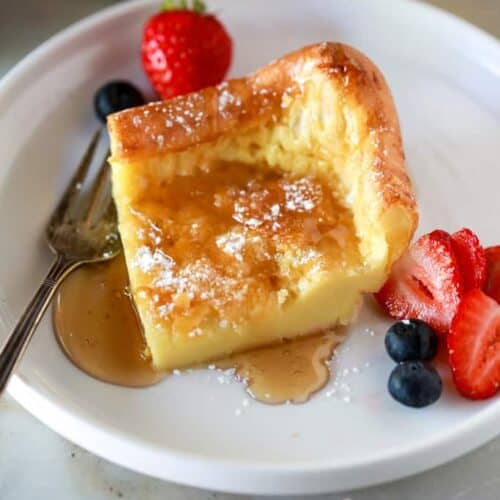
(211,473)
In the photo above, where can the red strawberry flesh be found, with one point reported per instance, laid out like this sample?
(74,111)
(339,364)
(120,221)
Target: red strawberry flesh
(471,258)
(474,346)
(425,283)
(492,287)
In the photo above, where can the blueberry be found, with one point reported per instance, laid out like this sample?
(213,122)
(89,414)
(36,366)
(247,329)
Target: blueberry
(115,96)
(415,384)
(411,340)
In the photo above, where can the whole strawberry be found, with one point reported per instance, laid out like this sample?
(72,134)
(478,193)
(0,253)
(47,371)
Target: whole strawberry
(184,49)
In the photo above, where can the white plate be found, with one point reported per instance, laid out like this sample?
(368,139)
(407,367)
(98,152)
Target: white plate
(445,76)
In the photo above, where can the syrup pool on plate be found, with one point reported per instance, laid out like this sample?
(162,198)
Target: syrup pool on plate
(97,326)
(290,371)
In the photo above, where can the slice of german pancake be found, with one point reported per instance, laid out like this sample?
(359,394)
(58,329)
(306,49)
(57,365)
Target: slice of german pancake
(262,208)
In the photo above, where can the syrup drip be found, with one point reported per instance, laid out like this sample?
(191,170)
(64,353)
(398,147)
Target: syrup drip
(290,371)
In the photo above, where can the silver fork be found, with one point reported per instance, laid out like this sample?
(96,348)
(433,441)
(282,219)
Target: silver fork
(82,229)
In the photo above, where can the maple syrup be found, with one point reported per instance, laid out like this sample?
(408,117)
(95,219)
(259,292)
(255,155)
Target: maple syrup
(225,244)
(231,242)
(97,326)
(290,371)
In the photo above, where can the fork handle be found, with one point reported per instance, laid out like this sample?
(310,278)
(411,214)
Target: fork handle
(17,341)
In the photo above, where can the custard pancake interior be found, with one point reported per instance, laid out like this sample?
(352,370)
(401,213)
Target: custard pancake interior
(263,208)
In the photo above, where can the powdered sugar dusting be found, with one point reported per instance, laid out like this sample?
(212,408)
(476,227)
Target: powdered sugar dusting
(182,121)
(232,243)
(227,99)
(146,260)
(302,195)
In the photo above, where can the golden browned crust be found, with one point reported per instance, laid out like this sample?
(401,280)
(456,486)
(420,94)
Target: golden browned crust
(180,123)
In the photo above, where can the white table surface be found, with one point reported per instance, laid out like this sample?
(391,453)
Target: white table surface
(35,463)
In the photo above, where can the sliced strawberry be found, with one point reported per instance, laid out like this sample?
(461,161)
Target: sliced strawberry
(471,258)
(492,287)
(474,346)
(425,283)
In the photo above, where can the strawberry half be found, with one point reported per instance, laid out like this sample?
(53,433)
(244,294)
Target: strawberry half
(471,258)
(492,287)
(474,346)
(425,283)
